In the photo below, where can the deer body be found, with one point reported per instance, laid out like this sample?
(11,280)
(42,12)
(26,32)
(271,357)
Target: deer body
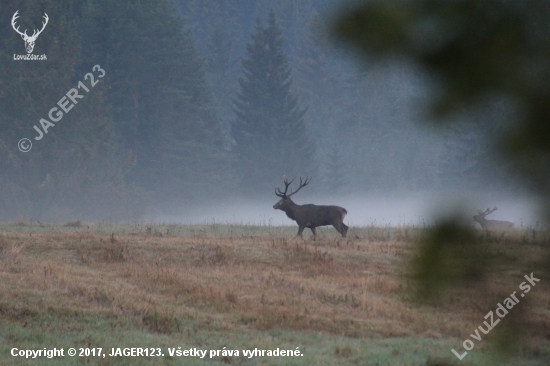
(491,224)
(495,224)
(311,216)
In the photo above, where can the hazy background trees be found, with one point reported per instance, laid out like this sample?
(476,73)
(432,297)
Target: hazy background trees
(269,129)
(204,97)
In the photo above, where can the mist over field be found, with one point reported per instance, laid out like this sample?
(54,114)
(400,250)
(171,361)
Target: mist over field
(420,210)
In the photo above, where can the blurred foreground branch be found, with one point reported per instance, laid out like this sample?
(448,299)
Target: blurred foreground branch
(476,51)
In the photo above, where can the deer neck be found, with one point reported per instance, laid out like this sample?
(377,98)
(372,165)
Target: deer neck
(290,209)
(483,222)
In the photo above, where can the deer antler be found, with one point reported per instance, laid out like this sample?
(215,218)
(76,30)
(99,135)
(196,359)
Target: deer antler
(287,183)
(302,184)
(487,211)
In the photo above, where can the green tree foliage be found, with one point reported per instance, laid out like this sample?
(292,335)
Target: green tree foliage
(220,70)
(147,129)
(345,106)
(337,178)
(294,19)
(321,87)
(162,105)
(269,128)
(463,154)
(468,161)
(63,175)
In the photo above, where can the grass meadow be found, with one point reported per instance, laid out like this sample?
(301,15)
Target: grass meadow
(341,301)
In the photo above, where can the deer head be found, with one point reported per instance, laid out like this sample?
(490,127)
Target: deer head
(285,198)
(491,224)
(29,40)
(480,217)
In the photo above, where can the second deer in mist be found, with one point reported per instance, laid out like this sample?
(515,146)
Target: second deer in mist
(310,216)
(491,224)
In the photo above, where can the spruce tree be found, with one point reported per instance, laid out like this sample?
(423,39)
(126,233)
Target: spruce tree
(269,128)
(221,73)
(336,172)
(162,105)
(77,170)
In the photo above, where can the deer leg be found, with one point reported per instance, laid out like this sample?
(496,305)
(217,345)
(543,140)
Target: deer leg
(300,230)
(338,227)
(344,230)
(314,233)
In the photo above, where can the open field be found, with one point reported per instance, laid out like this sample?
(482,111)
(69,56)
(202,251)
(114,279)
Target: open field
(341,301)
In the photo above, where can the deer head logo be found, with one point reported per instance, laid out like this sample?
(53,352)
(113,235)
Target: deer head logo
(29,40)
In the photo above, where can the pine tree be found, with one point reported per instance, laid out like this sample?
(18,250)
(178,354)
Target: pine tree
(467,162)
(336,178)
(220,70)
(152,108)
(459,167)
(269,128)
(162,105)
(77,169)
(321,86)
(35,183)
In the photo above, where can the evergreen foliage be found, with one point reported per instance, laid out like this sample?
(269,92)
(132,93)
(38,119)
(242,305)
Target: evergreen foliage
(162,104)
(172,124)
(64,173)
(147,131)
(221,73)
(336,173)
(269,128)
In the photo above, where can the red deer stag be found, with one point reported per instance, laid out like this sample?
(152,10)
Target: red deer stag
(310,216)
(491,224)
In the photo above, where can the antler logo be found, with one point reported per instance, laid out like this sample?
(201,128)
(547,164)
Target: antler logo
(29,40)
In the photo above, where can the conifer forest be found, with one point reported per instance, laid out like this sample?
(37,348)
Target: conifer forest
(214,101)
(274,182)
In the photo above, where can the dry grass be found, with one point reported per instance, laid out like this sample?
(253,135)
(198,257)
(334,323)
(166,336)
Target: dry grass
(176,284)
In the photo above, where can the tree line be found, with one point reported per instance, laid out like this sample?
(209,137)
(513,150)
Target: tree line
(202,98)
